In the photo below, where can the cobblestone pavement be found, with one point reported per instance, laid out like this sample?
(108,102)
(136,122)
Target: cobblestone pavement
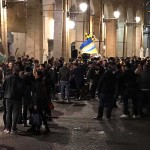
(74,129)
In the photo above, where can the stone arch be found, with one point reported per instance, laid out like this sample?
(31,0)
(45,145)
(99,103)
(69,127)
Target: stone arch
(130,17)
(108,9)
(74,2)
(96,5)
(122,13)
(92,10)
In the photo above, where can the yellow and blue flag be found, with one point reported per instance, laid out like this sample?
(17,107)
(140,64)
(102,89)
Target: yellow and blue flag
(88,47)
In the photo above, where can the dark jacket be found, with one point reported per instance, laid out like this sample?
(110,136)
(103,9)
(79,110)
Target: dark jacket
(129,79)
(40,98)
(28,83)
(144,80)
(78,75)
(7,72)
(64,74)
(13,87)
(106,84)
(95,73)
(119,80)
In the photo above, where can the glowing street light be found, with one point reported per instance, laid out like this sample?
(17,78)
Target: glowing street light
(71,24)
(83,7)
(116,14)
(137,19)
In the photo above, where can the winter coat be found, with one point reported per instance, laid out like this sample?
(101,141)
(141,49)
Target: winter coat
(129,79)
(64,74)
(78,75)
(144,80)
(95,73)
(13,87)
(40,98)
(106,84)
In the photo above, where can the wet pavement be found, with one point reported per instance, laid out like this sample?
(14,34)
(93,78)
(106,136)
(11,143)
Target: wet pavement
(73,128)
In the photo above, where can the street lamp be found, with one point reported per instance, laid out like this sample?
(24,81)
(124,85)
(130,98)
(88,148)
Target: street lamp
(71,24)
(137,20)
(116,16)
(71,13)
(83,7)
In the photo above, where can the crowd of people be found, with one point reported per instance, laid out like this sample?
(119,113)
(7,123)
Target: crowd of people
(28,87)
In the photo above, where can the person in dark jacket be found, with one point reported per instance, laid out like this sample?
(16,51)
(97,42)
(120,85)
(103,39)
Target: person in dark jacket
(39,102)
(64,75)
(78,75)
(144,83)
(119,84)
(129,85)
(49,85)
(106,89)
(8,70)
(13,88)
(94,75)
(28,80)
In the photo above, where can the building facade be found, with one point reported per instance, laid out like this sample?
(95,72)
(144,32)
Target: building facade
(40,28)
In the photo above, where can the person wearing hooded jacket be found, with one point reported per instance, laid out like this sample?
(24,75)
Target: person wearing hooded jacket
(144,84)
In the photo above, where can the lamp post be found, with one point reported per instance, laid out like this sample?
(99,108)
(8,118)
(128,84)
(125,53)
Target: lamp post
(126,24)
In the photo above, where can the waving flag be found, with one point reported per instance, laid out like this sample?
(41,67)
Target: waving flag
(88,47)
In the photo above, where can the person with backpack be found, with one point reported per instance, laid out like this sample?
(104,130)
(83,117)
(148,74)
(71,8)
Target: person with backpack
(39,104)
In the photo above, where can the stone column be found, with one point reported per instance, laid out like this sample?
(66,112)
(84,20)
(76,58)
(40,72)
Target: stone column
(134,41)
(34,30)
(111,38)
(139,39)
(3,29)
(65,33)
(130,32)
(120,39)
(58,27)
